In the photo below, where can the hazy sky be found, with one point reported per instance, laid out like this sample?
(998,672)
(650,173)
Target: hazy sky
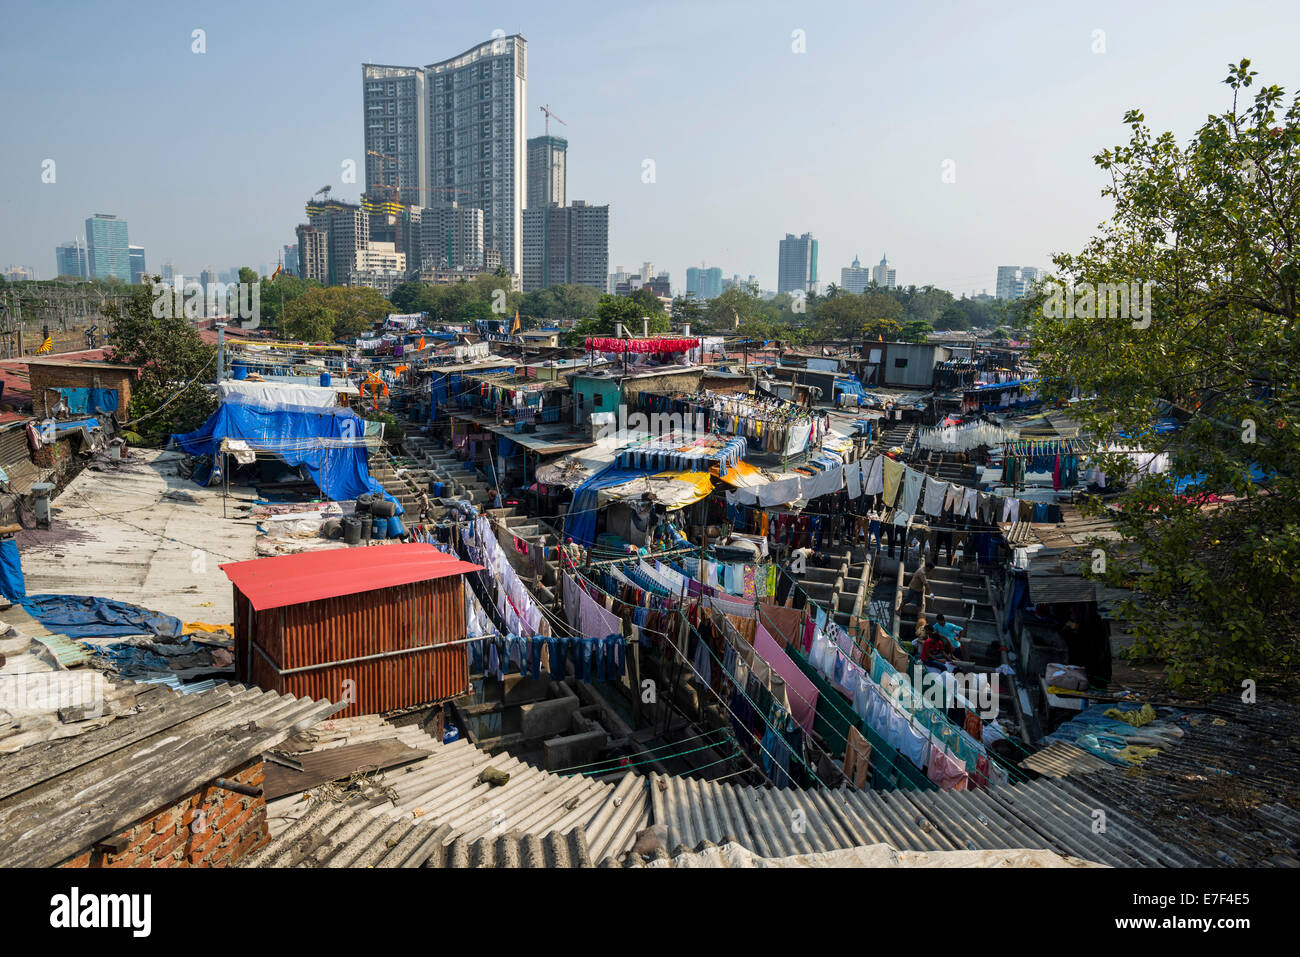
(211,157)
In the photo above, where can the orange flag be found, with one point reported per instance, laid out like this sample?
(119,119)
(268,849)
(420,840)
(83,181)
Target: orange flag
(420,345)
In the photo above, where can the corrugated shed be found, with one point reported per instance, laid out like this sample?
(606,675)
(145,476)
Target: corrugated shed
(376,651)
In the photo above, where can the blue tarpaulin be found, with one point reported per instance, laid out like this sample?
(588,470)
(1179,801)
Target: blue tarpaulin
(580,525)
(12,584)
(1181,485)
(84,616)
(89,401)
(294,434)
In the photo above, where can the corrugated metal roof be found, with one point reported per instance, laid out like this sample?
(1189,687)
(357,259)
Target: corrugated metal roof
(337,835)
(309,576)
(61,797)
(781,823)
(1224,794)
(443,796)
(69,651)
(444,789)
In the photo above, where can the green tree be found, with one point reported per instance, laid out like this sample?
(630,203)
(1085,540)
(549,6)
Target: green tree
(170,395)
(916,330)
(277,293)
(952,317)
(1214,227)
(334,312)
(736,306)
(686,309)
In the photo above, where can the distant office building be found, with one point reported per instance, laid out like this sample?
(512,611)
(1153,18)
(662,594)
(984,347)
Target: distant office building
(379,266)
(290,261)
(451,237)
(208,276)
(136,256)
(313,253)
(566,244)
(735,282)
(547,161)
(660,286)
(1015,281)
(392,221)
(347,226)
(21,274)
(169,271)
(797,266)
(396,107)
(70,259)
(108,254)
(703,282)
(884,275)
(855,278)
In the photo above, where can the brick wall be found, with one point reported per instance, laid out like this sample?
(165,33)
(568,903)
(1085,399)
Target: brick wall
(74,377)
(211,827)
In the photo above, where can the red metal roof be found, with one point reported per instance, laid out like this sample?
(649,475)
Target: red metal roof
(310,576)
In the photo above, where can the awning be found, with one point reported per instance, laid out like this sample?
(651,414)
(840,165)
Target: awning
(672,489)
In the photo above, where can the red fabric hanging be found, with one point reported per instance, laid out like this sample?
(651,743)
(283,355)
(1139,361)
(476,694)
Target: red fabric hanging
(597,344)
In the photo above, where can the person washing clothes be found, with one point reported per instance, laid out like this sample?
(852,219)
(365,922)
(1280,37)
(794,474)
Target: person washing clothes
(948,632)
(916,587)
(933,653)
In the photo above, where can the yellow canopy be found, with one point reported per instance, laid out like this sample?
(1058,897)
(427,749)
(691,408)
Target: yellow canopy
(673,489)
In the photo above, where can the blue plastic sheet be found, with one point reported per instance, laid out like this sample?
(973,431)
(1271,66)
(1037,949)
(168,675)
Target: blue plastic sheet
(85,616)
(580,525)
(89,401)
(12,583)
(291,432)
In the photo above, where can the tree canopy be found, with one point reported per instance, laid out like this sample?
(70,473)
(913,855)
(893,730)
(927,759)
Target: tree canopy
(1213,341)
(175,367)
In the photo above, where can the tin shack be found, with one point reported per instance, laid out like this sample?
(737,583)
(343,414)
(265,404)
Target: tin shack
(369,627)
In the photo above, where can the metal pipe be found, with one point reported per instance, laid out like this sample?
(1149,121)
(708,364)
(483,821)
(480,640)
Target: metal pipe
(229,785)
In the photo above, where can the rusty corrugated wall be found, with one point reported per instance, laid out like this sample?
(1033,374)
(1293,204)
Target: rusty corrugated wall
(373,649)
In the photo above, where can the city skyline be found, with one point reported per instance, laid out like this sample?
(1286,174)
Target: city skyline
(721,190)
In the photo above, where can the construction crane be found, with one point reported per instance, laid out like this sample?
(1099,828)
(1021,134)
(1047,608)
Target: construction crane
(547,110)
(323,191)
(397,182)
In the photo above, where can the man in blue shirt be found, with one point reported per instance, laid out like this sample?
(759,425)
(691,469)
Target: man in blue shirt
(948,632)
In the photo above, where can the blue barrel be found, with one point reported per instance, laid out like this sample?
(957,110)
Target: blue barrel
(325,378)
(450,733)
(379,528)
(395,527)
(239,371)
